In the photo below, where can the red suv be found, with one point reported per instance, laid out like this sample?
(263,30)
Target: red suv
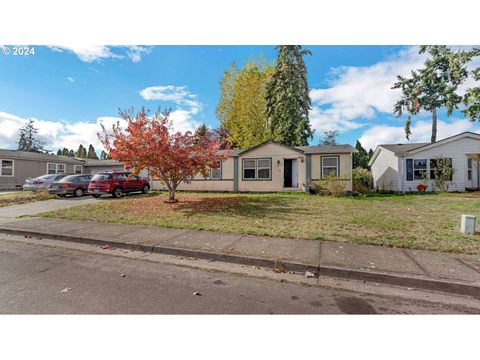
(117,183)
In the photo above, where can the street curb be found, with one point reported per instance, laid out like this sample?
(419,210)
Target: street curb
(418,282)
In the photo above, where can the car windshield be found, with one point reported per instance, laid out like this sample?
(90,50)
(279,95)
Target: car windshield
(70,178)
(102,177)
(45,177)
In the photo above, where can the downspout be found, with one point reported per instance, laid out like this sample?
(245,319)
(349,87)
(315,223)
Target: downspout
(402,166)
(235,173)
(308,171)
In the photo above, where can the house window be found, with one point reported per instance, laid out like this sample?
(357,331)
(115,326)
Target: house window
(419,168)
(216,172)
(55,168)
(6,167)
(249,168)
(469,168)
(77,169)
(257,169)
(329,166)
(264,167)
(433,165)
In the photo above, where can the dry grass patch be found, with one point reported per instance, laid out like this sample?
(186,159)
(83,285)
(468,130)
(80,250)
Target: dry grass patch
(21,197)
(411,221)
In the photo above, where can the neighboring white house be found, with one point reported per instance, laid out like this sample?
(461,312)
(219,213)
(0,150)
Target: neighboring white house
(400,167)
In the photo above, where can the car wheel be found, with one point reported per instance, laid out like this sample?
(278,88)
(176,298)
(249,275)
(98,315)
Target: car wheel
(117,192)
(78,192)
(145,189)
(96,196)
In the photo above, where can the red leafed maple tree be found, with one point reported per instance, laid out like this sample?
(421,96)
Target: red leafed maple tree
(149,142)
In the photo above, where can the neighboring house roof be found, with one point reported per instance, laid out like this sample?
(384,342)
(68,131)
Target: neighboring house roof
(407,149)
(26,155)
(98,162)
(317,149)
(402,148)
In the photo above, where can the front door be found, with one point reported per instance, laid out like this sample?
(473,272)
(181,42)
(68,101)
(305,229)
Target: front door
(287,173)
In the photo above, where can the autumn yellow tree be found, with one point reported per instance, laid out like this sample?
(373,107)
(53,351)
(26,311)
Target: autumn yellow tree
(241,109)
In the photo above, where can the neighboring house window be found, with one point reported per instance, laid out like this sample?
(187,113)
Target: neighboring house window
(409,169)
(77,169)
(6,167)
(329,166)
(419,168)
(216,172)
(469,168)
(55,168)
(257,169)
(433,165)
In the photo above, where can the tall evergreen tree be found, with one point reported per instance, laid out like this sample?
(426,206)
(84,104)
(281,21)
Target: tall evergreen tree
(361,158)
(81,152)
(434,86)
(472,95)
(71,153)
(65,151)
(27,140)
(59,152)
(91,152)
(287,97)
(370,154)
(103,155)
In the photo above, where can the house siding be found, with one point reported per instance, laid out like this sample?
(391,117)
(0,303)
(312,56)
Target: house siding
(385,171)
(345,168)
(457,151)
(24,169)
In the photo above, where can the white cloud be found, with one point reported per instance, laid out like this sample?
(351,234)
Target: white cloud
(91,53)
(187,104)
(361,92)
(71,79)
(421,132)
(55,134)
(135,52)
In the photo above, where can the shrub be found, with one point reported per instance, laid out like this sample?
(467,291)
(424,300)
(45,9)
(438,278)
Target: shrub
(362,180)
(331,185)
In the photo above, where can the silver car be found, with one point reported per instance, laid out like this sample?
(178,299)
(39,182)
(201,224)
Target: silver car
(42,183)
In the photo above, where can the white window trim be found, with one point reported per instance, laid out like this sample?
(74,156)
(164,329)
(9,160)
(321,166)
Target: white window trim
(256,168)
(337,167)
(75,169)
(56,168)
(13,167)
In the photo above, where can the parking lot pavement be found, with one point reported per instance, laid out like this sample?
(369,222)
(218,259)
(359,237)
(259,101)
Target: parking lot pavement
(9,213)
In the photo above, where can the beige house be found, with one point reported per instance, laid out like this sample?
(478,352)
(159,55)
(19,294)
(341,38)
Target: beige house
(271,167)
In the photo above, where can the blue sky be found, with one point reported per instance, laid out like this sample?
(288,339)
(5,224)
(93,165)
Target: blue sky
(70,90)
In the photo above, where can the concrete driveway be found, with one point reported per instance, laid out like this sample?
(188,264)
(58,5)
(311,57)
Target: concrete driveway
(9,213)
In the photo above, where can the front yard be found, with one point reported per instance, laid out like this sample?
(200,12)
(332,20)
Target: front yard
(413,221)
(22,197)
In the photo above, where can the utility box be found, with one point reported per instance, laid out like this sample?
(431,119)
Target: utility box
(468,224)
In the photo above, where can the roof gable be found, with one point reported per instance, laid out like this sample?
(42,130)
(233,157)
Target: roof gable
(242,152)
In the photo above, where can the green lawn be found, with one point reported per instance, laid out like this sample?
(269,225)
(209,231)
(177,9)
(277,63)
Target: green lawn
(413,221)
(22,197)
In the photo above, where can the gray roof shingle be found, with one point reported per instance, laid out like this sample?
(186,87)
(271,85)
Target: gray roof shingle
(402,148)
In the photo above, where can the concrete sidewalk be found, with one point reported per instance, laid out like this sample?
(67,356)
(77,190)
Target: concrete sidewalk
(456,273)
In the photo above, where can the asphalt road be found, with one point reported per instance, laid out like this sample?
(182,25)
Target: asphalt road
(33,276)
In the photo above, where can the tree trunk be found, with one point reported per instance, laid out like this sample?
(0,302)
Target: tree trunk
(171,195)
(434,125)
